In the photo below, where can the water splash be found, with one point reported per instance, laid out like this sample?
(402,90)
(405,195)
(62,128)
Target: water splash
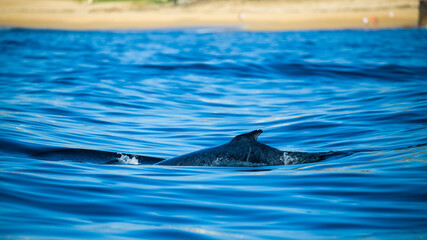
(126,159)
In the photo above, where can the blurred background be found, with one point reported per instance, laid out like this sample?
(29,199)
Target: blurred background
(246,14)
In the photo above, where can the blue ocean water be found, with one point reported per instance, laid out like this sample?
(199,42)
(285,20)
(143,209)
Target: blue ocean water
(163,93)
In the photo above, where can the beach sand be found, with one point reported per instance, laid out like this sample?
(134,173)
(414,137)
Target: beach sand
(251,15)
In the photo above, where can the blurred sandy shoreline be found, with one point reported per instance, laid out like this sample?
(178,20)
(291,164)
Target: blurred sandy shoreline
(272,15)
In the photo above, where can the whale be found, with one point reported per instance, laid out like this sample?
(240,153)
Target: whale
(243,150)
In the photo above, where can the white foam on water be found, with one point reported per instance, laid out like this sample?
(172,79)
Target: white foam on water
(128,160)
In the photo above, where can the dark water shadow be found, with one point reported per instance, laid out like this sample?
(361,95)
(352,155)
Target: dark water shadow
(95,156)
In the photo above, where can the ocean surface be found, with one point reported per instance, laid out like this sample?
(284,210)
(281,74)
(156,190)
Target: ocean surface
(163,93)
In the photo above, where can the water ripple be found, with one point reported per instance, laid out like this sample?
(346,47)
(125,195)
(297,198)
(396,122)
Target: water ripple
(166,93)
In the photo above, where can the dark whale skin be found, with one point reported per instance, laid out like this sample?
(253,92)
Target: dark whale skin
(243,150)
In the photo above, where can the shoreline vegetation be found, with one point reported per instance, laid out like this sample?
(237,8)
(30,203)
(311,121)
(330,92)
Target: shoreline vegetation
(249,15)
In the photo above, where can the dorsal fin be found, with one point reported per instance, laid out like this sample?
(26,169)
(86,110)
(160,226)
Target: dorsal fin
(251,136)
